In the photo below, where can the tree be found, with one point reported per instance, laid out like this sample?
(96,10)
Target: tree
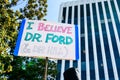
(9,27)
(31,69)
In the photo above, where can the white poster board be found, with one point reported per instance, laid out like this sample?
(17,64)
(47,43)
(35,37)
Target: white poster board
(47,39)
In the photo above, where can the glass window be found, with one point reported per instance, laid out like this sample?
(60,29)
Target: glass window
(111,79)
(82,19)
(107,52)
(81,11)
(118,28)
(92,65)
(104,32)
(109,64)
(83,66)
(83,49)
(88,19)
(114,44)
(75,63)
(100,11)
(64,15)
(101,70)
(92,74)
(98,46)
(66,64)
(118,66)
(110,68)
(118,2)
(76,15)
(95,18)
(90,45)
(111,75)
(105,39)
(88,9)
(70,15)
(83,75)
(116,17)
(107,10)
(58,69)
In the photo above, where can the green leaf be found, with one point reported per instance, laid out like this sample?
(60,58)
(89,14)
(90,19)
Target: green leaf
(12,66)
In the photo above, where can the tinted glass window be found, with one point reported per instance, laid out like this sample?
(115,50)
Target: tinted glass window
(107,10)
(75,63)
(82,19)
(83,66)
(64,15)
(83,49)
(69,15)
(100,11)
(116,17)
(101,70)
(118,2)
(92,74)
(59,69)
(76,15)
(66,64)
(83,75)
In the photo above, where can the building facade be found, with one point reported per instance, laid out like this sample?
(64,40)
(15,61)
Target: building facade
(99,29)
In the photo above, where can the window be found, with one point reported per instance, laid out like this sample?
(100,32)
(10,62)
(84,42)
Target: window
(66,64)
(100,11)
(70,15)
(92,74)
(83,66)
(118,65)
(107,10)
(116,17)
(64,15)
(118,2)
(75,63)
(83,49)
(83,75)
(114,44)
(82,19)
(101,70)
(59,69)
(76,15)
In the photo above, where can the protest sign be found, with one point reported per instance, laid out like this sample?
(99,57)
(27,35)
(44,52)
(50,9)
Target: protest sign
(47,39)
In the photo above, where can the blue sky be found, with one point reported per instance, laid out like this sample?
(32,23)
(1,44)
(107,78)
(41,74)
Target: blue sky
(53,9)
